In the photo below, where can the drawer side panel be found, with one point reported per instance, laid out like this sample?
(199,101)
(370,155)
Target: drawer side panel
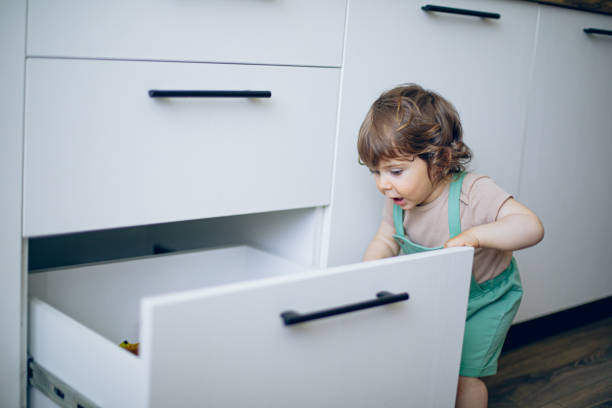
(100,370)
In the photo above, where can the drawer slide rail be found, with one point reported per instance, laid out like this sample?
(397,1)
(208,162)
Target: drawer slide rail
(55,389)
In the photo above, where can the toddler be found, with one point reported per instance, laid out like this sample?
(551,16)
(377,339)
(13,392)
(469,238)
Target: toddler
(411,140)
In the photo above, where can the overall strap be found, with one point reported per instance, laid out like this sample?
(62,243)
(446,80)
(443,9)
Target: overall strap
(398,219)
(454,223)
(454,214)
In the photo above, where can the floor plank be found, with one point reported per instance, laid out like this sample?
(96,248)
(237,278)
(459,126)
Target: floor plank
(572,369)
(597,396)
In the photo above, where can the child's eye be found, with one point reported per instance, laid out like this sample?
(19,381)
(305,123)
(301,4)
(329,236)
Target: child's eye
(374,171)
(396,172)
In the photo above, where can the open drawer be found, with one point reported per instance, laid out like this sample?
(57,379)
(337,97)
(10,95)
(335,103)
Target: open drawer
(211,332)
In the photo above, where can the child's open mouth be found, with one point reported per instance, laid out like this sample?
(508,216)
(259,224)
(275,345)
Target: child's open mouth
(398,201)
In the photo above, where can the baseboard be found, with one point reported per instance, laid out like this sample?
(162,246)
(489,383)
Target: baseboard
(530,331)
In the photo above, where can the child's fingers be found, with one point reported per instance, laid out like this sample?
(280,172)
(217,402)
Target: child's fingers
(449,243)
(462,239)
(453,242)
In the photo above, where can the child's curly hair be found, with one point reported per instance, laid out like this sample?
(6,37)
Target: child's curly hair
(409,121)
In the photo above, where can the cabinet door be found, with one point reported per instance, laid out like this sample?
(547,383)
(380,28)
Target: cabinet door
(229,347)
(480,65)
(565,178)
(100,153)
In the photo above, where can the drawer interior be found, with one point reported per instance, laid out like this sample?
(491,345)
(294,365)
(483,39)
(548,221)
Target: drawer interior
(105,297)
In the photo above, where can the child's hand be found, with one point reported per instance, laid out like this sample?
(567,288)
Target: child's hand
(464,239)
(516,227)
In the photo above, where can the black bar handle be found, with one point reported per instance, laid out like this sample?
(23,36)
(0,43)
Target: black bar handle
(156,93)
(382,298)
(451,10)
(591,30)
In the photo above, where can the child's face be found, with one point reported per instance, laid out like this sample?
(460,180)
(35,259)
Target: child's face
(406,182)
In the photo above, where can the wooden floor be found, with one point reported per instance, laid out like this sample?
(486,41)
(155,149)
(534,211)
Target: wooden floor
(569,370)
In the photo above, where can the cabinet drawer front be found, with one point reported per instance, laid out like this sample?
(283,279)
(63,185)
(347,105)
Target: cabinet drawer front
(101,153)
(229,347)
(296,32)
(487,60)
(480,65)
(573,69)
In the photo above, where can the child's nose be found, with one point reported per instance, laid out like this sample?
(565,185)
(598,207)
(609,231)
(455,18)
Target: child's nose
(383,183)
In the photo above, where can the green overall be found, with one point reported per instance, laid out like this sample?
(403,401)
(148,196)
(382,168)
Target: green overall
(491,305)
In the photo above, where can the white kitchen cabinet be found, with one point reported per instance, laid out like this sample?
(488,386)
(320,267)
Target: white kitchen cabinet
(100,153)
(481,65)
(291,32)
(210,331)
(565,175)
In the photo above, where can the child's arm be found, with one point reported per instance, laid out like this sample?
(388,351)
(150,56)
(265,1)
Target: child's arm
(382,245)
(516,227)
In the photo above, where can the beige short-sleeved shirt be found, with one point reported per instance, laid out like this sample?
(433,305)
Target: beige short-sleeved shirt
(481,200)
